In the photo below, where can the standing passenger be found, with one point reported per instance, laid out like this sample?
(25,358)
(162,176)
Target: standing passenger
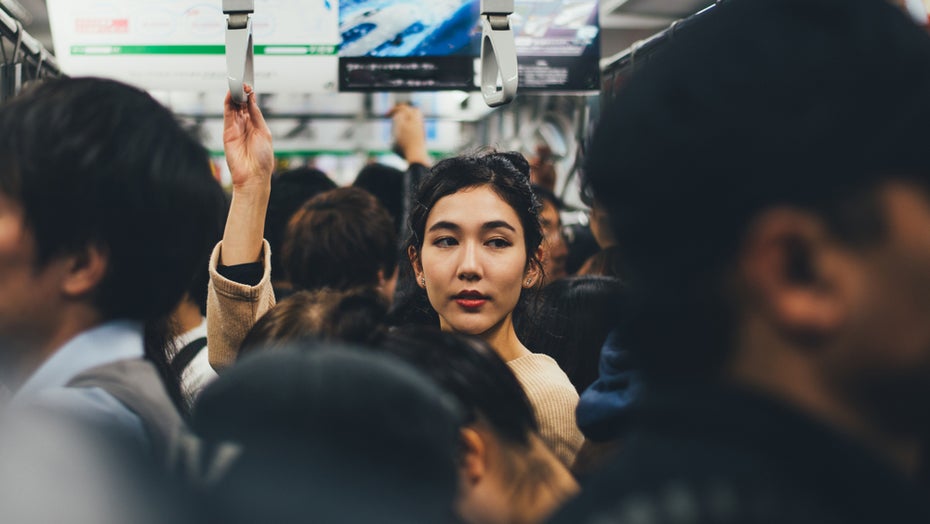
(771,194)
(475,248)
(105,212)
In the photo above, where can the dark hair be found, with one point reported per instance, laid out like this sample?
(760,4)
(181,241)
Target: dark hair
(470,370)
(760,104)
(507,174)
(197,287)
(353,316)
(605,262)
(387,185)
(318,431)
(289,191)
(545,195)
(96,162)
(340,239)
(569,320)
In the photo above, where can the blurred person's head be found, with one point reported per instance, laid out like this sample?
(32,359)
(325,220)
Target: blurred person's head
(569,320)
(475,242)
(600,226)
(289,190)
(351,316)
(772,200)
(387,185)
(507,474)
(555,251)
(542,169)
(106,207)
(333,434)
(605,262)
(341,239)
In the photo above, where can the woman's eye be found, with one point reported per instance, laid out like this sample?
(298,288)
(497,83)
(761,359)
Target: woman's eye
(498,243)
(444,242)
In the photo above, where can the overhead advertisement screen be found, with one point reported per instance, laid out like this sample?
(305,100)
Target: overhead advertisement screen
(558,44)
(180,44)
(408,44)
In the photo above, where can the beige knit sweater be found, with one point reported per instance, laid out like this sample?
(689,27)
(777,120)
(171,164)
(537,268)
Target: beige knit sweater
(233,308)
(554,400)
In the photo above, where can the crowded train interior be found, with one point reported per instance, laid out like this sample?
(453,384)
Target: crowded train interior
(465,261)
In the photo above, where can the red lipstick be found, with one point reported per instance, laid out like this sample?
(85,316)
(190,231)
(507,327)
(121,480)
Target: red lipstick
(469,299)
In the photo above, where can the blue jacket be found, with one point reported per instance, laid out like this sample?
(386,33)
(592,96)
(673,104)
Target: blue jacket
(604,407)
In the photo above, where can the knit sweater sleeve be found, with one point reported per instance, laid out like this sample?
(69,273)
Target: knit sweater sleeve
(554,400)
(233,308)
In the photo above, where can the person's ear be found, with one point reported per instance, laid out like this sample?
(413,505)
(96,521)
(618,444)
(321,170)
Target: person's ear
(474,456)
(533,273)
(414,257)
(84,270)
(797,274)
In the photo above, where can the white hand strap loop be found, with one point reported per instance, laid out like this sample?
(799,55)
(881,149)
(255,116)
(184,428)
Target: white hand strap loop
(239,48)
(499,76)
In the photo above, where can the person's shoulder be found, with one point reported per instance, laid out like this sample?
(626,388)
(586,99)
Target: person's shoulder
(92,406)
(537,370)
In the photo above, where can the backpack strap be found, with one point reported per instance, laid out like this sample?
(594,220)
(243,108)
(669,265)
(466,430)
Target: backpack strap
(186,355)
(137,384)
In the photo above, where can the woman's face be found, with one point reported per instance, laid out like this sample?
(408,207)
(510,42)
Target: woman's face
(473,260)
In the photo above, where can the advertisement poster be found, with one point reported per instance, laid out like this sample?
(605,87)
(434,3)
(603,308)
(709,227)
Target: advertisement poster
(408,45)
(558,44)
(180,44)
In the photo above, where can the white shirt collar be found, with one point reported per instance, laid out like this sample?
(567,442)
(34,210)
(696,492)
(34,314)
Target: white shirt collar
(106,343)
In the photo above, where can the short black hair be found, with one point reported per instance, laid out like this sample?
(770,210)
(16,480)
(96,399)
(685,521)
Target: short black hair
(806,103)
(331,434)
(569,320)
(387,185)
(340,239)
(353,316)
(471,371)
(97,162)
(289,191)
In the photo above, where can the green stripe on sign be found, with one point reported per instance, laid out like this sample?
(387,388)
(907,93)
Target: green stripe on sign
(271,50)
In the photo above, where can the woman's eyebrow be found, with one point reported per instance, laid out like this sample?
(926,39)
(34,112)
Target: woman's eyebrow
(496,224)
(487,226)
(444,225)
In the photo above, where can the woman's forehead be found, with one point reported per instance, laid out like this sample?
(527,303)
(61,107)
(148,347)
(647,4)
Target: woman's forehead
(473,206)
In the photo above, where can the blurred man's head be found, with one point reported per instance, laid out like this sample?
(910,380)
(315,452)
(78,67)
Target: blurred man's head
(772,197)
(105,211)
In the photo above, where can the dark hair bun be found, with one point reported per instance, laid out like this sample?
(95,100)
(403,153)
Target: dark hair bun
(515,159)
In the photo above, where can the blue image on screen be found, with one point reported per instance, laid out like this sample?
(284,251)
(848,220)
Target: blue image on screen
(409,28)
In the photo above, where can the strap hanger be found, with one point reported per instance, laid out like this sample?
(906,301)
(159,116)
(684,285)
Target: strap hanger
(499,77)
(239,47)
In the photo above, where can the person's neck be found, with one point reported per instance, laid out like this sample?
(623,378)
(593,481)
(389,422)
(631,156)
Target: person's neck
(503,338)
(37,351)
(187,315)
(790,376)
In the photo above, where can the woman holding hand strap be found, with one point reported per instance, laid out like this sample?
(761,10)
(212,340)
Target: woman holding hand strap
(475,248)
